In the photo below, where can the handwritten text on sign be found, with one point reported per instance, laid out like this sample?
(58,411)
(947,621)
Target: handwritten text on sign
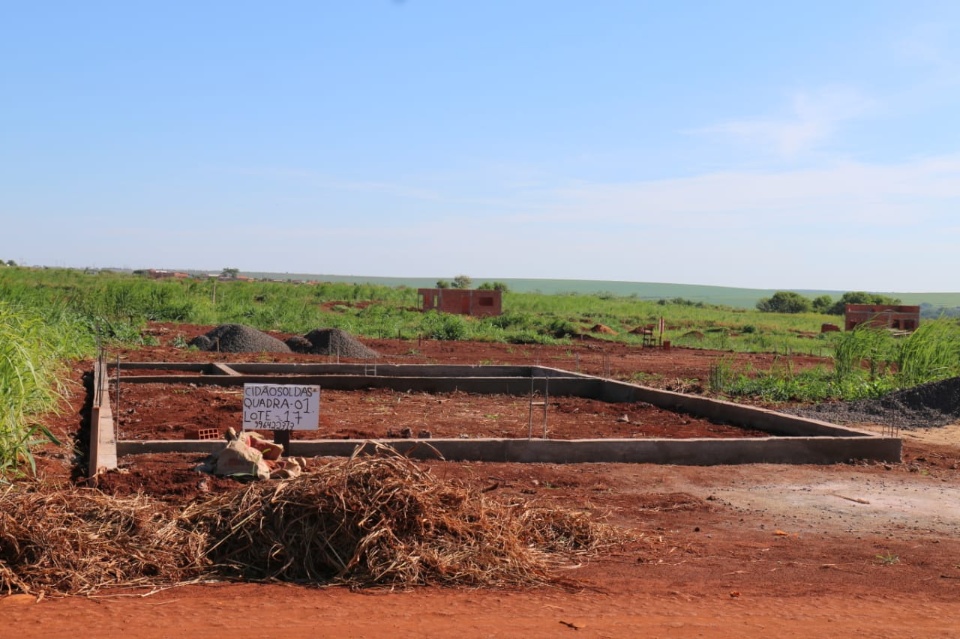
(281,407)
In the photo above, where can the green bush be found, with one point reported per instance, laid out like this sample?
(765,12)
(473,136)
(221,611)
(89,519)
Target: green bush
(784,302)
(444,326)
(561,328)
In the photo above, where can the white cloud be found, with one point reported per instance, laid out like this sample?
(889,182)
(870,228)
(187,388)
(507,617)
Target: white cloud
(810,121)
(845,193)
(928,45)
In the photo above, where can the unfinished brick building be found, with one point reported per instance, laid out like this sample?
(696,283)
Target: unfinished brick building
(900,318)
(461,300)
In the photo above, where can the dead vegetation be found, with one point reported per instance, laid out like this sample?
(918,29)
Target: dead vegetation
(79,541)
(364,522)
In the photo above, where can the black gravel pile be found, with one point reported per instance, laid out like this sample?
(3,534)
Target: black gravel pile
(333,341)
(236,338)
(925,406)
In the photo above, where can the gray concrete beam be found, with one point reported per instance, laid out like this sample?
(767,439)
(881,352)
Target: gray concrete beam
(482,385)
(103,441)
(691,452)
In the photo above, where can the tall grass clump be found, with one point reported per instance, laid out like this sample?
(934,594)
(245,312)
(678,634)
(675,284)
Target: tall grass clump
(32,347)
(931,352)
(721,373)
(874,347)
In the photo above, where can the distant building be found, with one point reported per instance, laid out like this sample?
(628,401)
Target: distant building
(899,318)
(463,301)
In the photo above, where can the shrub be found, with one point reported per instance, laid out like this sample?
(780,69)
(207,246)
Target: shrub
(560,329)
(859,297)
(784,302)
(444,326)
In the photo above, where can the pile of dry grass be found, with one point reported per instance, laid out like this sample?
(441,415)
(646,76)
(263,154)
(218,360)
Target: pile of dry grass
(383,521)
(364,522)
(79,541)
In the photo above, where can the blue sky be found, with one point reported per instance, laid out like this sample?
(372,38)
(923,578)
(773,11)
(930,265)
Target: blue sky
(756,144)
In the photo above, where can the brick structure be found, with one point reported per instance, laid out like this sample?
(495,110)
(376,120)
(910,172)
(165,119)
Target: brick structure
(461,300)
(900,318)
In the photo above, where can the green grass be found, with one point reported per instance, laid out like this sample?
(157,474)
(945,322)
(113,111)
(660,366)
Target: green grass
(744,298)
(120,304)
(33,346)
(867,363)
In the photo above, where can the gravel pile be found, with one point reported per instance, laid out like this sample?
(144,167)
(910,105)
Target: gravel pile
(925,406)
(236,338)
(333,341)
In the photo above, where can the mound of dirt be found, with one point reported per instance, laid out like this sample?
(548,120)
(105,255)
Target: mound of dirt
(333,341)
(605,330)
(924,406)
(237,338)
(298,344)
(697,335)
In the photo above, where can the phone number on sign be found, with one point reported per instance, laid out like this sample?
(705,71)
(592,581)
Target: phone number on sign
(274,425)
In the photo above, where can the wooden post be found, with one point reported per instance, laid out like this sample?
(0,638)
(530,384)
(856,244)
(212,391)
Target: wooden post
(282,437)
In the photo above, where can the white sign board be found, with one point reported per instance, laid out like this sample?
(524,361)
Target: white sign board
(281,407)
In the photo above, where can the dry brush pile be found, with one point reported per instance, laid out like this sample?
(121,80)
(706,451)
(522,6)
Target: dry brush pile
(363,522)
(78,541)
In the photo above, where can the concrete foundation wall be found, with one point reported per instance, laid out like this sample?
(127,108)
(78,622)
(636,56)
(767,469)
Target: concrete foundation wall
(508,380)
(747,416)
(371,369)
(103,442)
(691,452)
(798,440)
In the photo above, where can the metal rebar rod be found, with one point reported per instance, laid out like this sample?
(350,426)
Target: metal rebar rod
(118,390)
(530,415)
(546,402)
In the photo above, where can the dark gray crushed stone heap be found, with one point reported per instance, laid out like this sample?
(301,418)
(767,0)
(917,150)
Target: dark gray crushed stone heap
(924,406)
(237,338)
(333,341)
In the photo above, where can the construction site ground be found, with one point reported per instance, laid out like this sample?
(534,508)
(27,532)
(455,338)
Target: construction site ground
(858,549)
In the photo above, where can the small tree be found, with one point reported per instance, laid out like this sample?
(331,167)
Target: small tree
(443,284)
(860,297)
(462,281)
(822,303)
(784,302)
(494,286)
(230,273)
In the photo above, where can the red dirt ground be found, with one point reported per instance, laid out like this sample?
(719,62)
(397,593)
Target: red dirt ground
(169,411)
(866,550)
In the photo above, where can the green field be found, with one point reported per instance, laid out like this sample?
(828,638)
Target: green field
(718,295)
